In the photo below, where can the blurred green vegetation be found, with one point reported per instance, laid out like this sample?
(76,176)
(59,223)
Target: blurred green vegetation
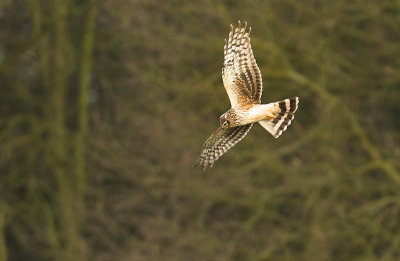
(105,105)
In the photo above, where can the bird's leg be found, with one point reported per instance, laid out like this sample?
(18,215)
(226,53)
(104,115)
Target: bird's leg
(270,116)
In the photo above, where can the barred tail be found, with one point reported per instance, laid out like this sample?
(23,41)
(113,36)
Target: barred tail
(284,112)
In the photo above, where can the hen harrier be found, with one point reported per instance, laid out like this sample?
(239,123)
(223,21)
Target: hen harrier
(242,81)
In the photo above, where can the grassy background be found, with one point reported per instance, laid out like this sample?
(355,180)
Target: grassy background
(105,105)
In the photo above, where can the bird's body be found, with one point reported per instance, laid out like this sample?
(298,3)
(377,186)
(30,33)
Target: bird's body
(243,84)
(251,113)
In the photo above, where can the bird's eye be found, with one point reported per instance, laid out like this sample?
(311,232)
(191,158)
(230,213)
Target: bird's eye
(225,124)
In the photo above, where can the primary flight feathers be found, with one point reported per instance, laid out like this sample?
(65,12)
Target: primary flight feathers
(243,84)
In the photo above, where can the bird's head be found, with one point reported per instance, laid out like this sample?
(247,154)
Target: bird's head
(225,121)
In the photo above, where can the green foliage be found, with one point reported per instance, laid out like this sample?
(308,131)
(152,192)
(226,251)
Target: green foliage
(41,161)
(105,106)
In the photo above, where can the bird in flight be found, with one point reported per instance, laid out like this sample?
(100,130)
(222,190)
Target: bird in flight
(243,84)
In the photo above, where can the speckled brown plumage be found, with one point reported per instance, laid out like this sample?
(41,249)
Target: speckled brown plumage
(243,84)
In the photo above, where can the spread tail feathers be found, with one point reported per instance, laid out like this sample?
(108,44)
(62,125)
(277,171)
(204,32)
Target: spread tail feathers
(284,112)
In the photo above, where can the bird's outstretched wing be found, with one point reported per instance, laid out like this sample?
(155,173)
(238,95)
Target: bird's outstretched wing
(240,73)
(219,143)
